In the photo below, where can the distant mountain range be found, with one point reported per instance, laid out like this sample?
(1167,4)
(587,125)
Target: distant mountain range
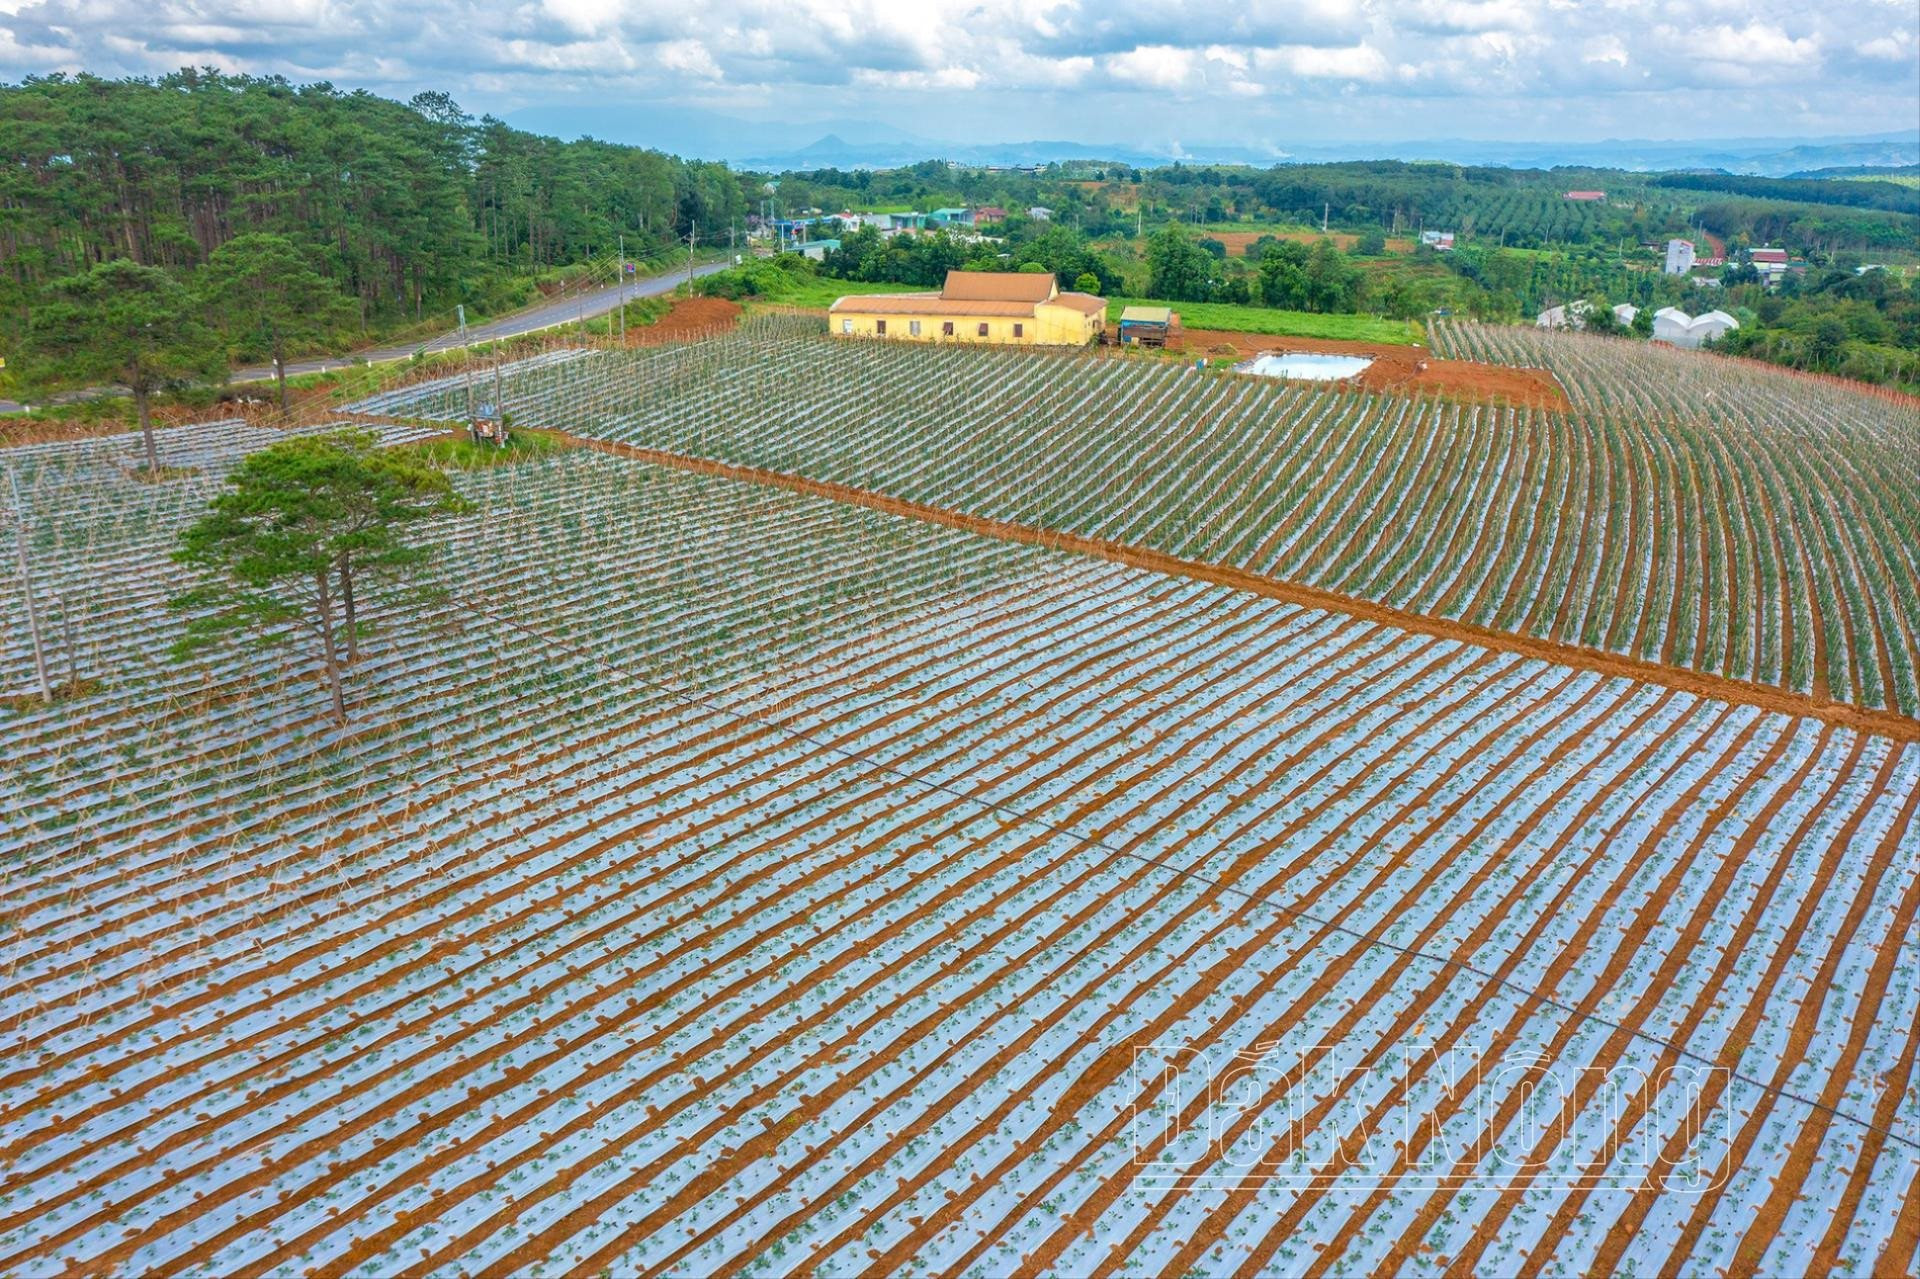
(857,144)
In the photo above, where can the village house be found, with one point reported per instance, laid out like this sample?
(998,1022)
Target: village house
(1017,308)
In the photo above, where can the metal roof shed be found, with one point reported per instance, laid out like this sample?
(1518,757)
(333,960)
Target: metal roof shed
(1147,325)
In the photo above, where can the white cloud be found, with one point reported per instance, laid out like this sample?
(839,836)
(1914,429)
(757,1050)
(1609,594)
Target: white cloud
(1465,64)
(1360,62)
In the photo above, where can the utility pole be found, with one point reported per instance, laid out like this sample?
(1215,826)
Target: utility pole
(466,360)
(623,288)
(1325,208)
(693,233)
(26,587)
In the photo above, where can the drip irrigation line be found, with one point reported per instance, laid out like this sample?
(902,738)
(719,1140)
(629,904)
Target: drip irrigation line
(1257,898)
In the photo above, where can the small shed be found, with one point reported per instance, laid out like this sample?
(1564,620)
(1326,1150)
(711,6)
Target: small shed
(1147,325)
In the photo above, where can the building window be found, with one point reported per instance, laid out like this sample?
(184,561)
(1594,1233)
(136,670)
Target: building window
(913,328)
(983,330)
(880,327)
(1019,330)
(946,329)
(846,326)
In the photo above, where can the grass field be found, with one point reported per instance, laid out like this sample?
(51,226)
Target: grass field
(461,453)
(818,293)
(1299,324)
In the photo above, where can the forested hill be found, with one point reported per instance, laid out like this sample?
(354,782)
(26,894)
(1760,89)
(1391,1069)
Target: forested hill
(406,207)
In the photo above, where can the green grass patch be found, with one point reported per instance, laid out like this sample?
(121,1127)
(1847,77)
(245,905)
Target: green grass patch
(460,453)
(819,293)
(1266,320)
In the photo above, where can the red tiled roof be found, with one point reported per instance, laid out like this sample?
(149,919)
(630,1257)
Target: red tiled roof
(998,286)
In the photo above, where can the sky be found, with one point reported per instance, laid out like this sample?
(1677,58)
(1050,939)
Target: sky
(1148,71)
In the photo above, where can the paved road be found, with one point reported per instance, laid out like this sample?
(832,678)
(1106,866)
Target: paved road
(542,315)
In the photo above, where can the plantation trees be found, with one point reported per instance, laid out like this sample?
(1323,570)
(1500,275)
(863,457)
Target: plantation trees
(305,525)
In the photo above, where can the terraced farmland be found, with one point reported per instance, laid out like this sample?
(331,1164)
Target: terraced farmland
(1762,537)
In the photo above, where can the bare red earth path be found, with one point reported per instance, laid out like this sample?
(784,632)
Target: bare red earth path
(1718,687)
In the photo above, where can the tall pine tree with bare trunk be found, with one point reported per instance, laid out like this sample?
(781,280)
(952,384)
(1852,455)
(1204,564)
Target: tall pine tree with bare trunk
(309,532)
(131,324)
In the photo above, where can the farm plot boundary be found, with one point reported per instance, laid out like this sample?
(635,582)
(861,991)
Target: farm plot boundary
(1701,684)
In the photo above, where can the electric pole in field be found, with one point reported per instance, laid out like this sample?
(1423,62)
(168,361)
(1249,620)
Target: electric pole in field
(26,587)
(466,360)
(623,289)
(693,234)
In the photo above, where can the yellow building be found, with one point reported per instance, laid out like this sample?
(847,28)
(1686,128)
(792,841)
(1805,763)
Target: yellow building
(977,306)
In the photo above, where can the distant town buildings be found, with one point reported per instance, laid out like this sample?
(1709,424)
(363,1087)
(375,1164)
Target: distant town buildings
(1587,196)
(1438,241)
(1770,264)
(1679,257)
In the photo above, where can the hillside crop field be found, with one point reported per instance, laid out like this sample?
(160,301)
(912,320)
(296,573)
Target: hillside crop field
(1767,530)
(889,810)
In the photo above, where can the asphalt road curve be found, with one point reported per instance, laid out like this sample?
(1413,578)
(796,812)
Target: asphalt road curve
(543,315)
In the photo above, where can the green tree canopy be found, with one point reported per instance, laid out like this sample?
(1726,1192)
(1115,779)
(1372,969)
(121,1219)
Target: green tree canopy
(303,529)
(131,324)
(1283,275)
(261,290)
(1178,269)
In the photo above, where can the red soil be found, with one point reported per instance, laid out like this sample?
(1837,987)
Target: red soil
(1404,369)
(1613,665)
(1238,242)
(690,318)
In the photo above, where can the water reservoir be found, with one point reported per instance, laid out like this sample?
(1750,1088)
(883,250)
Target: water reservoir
(1310,366)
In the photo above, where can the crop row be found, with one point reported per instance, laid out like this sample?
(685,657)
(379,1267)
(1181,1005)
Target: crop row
(754,882)
(1790,558)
